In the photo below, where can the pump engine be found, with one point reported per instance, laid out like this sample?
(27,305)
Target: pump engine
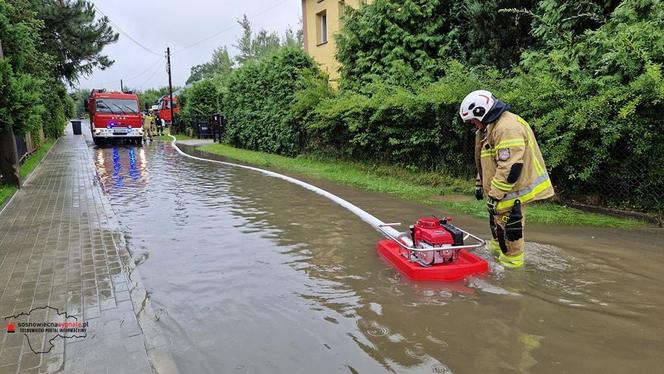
(433,233)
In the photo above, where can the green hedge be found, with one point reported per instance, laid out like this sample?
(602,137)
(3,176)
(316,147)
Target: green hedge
(395,125)
(198,101)
(592,89)
(593,145)
(258,98)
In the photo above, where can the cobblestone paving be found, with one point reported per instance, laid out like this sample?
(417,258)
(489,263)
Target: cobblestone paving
(60,247)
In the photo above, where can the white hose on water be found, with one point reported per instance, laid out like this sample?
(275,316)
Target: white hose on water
(364,216)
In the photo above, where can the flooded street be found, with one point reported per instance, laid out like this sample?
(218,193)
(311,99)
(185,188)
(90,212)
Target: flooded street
(249,273)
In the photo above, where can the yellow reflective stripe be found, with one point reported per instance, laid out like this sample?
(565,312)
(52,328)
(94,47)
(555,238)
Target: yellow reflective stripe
(511,143)
(502,186)
(487,153)
(538,167)
(508,203)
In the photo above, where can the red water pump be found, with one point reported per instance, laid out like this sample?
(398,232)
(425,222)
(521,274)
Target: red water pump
(433,250)
(433,232)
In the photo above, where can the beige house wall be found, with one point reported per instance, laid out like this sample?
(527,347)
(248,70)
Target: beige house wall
(323,51)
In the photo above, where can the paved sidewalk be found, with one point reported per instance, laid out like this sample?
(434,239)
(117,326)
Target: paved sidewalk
(61,251)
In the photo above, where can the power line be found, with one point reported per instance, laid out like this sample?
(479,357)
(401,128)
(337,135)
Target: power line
(155,63)
(152,66)
(234,25)
(151,76)
(125,33)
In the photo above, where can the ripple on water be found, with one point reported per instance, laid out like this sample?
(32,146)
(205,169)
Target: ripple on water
(373,328)
(416,351)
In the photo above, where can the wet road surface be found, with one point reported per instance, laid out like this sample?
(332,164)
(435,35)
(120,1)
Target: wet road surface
(248,273)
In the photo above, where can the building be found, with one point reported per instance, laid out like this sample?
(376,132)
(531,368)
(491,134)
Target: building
(321,20)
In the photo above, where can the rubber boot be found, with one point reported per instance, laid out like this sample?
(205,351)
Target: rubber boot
(512,262)
(494,248)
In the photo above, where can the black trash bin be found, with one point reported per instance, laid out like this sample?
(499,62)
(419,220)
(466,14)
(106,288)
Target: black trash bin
(76,125)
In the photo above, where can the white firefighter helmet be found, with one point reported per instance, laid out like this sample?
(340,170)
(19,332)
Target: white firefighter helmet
(476,105)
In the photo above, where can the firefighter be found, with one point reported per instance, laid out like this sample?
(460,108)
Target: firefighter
(511,171)
(158,124)
(148,127)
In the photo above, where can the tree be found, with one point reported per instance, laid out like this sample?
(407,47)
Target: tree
(260,95)
(220,64)
(294,39)
(402,42)
(487,35)
(74,38)
(200,100)
(80,96)
(20,86)
(254,46)
(20,70)
(150,96)
(198,72)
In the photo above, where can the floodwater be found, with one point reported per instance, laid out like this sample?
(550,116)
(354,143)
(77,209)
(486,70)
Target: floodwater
(249,273)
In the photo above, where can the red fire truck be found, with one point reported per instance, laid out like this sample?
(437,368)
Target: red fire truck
(165,108)
(114,116)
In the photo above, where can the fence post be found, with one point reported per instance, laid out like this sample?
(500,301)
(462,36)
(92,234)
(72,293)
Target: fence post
(222,127)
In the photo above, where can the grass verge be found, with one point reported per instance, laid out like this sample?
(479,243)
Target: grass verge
(177,137)
(28,166)
(434,189)
(34,159)
(6,191)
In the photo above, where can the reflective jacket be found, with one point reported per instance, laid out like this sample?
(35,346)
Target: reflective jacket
(509,162)
(150,122)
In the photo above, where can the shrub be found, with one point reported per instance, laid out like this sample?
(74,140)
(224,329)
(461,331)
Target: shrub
(53,117)
(258,98)
(394,125)
(200,100)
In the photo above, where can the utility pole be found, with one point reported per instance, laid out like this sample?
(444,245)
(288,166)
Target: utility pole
(8,152)
(170,85)
(121,86)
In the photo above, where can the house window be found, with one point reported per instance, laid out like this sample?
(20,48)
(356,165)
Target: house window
(321,23)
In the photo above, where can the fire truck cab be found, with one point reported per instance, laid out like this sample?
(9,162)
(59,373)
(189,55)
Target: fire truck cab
(114,116)
(164,105)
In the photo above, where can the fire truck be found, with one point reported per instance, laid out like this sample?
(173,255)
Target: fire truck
(114,117)
(164,107)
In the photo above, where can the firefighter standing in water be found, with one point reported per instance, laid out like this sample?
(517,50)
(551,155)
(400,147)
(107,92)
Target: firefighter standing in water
(148,127)
(511,171)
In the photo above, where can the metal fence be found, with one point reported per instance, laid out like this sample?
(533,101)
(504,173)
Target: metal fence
(202,127)
(613,189)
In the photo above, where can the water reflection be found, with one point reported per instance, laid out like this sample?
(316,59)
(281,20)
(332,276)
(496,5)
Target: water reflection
(252,273)
(125,162)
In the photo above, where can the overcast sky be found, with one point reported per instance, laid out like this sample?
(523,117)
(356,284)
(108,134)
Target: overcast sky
(184,26)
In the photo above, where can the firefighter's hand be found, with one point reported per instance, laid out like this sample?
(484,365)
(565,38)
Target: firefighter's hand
(491,205)
(479,192)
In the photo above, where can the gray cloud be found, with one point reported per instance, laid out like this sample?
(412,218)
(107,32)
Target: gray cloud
(183,26)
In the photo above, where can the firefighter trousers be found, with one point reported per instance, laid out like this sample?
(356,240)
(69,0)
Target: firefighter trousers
(508,234)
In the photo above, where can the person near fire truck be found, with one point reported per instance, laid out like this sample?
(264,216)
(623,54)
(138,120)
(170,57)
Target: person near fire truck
(148,127)
(159,124)
(511,171)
